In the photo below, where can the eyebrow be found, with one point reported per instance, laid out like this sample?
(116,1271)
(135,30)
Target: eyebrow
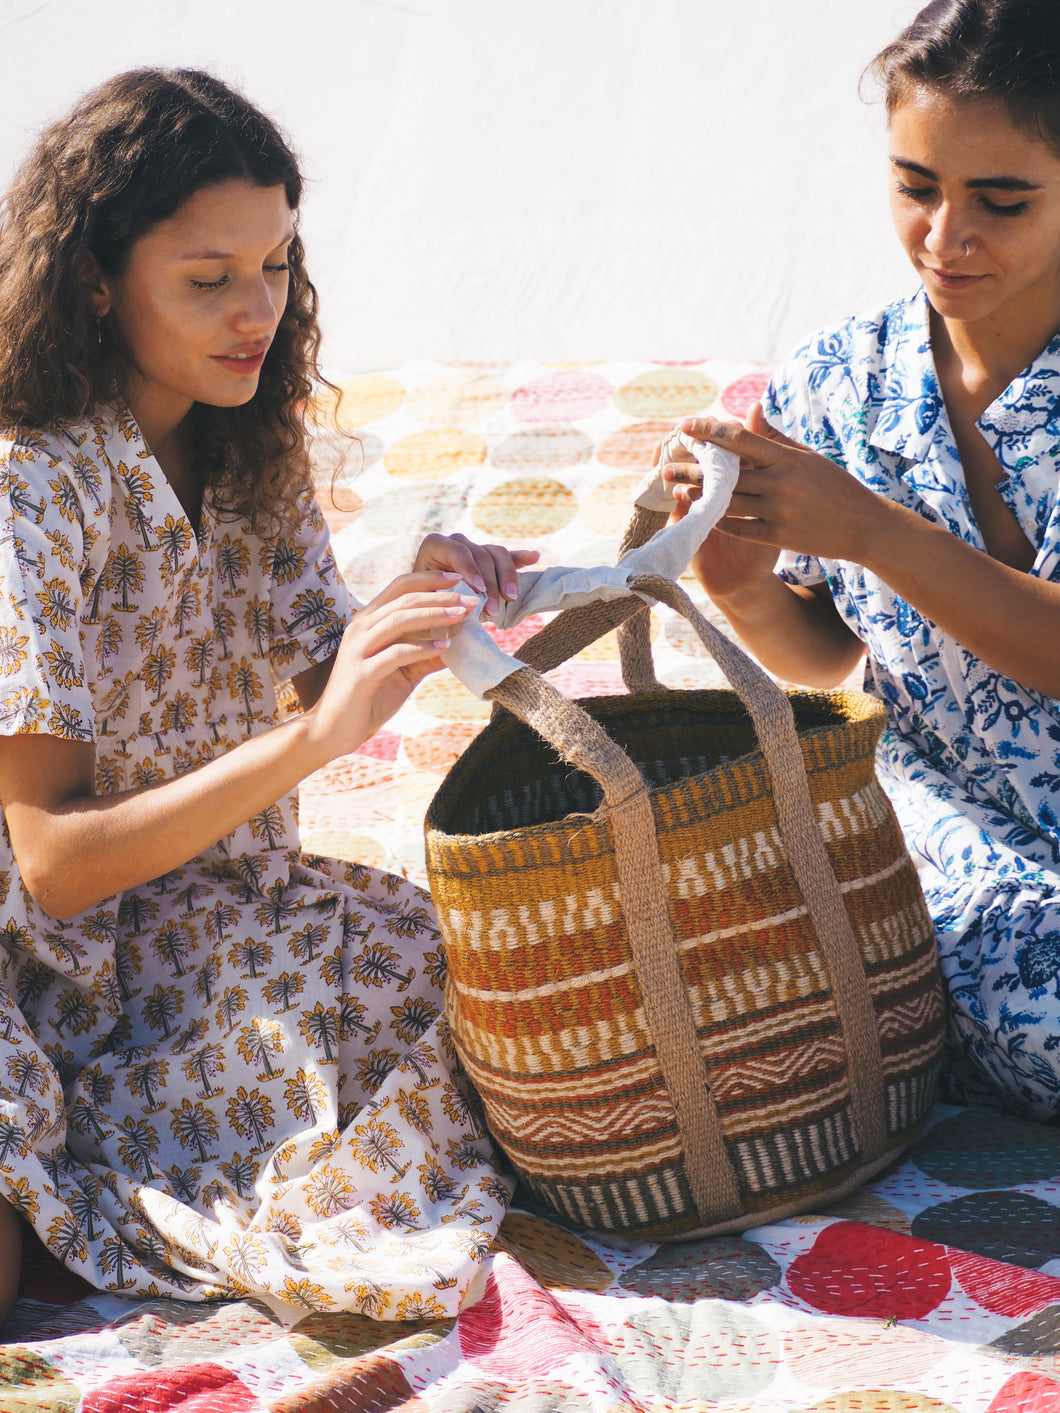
(998,183)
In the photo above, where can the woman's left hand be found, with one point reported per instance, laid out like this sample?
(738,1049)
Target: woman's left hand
(489,569)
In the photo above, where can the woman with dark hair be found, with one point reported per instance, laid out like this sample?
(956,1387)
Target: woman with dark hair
(222,1063)
(907,463)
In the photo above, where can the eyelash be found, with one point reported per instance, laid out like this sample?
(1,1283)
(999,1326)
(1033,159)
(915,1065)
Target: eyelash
(216,284)
(915,193)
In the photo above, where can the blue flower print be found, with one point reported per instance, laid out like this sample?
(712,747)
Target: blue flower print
(970,758)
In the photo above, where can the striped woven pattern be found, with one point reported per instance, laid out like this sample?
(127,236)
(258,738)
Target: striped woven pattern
(543,998)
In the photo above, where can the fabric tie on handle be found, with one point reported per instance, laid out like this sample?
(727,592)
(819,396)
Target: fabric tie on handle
(474,657)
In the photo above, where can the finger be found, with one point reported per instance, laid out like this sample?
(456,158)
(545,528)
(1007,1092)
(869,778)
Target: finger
(757,423)
(683,473)
(733,436)
(410,614)
(417,581)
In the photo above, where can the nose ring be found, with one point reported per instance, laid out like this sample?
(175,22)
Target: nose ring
(967,249)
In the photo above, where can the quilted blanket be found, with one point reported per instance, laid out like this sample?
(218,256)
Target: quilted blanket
(937,1287)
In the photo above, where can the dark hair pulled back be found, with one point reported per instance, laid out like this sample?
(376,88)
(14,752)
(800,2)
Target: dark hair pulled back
(1004,50)
(126,158)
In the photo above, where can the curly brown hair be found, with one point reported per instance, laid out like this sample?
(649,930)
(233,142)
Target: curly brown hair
(123,160)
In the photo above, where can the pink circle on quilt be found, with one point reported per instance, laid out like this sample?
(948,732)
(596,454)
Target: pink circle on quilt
(510,640)
(739,396)
(561,397)
(517,1331)
(1003,1289)
(384,745)
(836,1353)
(859,1270)
(1027,1392)
(591,679)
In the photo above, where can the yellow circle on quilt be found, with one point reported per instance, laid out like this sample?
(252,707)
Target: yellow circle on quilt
(439,748)
(867,1207)
(605,649)
(557,1259)
(606,508)
(442,695)
(435,453)
(459,395)
(368,398)
(666,392)
(524,509)
(880,1400)
(332,841)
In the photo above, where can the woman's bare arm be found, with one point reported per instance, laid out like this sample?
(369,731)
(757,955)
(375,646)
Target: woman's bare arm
(789,496)
(75,848)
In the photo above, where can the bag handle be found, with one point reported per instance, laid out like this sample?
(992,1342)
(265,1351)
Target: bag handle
(575,628)
(627,806)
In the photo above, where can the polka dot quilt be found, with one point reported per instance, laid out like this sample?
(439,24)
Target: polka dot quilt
(937,1287)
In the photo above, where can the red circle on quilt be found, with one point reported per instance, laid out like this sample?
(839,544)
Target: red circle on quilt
(193,1388)
(510,640)
(1003,1289)
(1027,1392)
(853,1269)
(517,1330)
(738,397)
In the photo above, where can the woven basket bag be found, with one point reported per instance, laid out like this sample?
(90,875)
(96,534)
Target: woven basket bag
(691,972)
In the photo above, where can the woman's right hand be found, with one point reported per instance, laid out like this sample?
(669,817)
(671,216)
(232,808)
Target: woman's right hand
(388,647)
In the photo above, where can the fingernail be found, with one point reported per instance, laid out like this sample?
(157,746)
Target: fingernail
(440,643)
(477,582)
(511,591)
(458,610)
(492,605)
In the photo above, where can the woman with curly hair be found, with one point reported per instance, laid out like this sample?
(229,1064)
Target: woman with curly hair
(222,1064)
(908,462)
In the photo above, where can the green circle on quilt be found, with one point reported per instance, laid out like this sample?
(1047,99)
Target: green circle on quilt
(1013,1227)
(1036,1338)
(324,1339)
(717,1268)
(980,1150)
(701,1352)
(430,508)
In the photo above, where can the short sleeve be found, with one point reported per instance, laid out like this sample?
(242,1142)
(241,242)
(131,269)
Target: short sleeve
(44,685)
(308,598)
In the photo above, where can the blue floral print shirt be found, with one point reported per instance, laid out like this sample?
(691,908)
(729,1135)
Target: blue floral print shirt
(865,394)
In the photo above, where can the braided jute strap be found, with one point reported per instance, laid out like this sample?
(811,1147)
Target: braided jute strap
(778,738)
(654,952)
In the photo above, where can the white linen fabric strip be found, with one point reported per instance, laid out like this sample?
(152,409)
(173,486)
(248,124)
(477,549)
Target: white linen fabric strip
(474,657)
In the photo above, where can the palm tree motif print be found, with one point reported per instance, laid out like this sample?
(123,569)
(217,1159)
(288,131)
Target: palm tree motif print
(251,1027)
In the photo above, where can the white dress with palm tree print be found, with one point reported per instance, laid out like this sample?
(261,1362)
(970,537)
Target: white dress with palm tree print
(234,1078)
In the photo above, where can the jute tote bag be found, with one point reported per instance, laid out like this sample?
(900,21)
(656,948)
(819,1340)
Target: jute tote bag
(691,973)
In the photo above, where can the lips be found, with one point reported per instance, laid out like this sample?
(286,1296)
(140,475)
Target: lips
(953,281)
(243,360)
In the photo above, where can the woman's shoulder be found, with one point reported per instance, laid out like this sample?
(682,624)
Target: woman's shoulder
(852,354)
(859,339)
